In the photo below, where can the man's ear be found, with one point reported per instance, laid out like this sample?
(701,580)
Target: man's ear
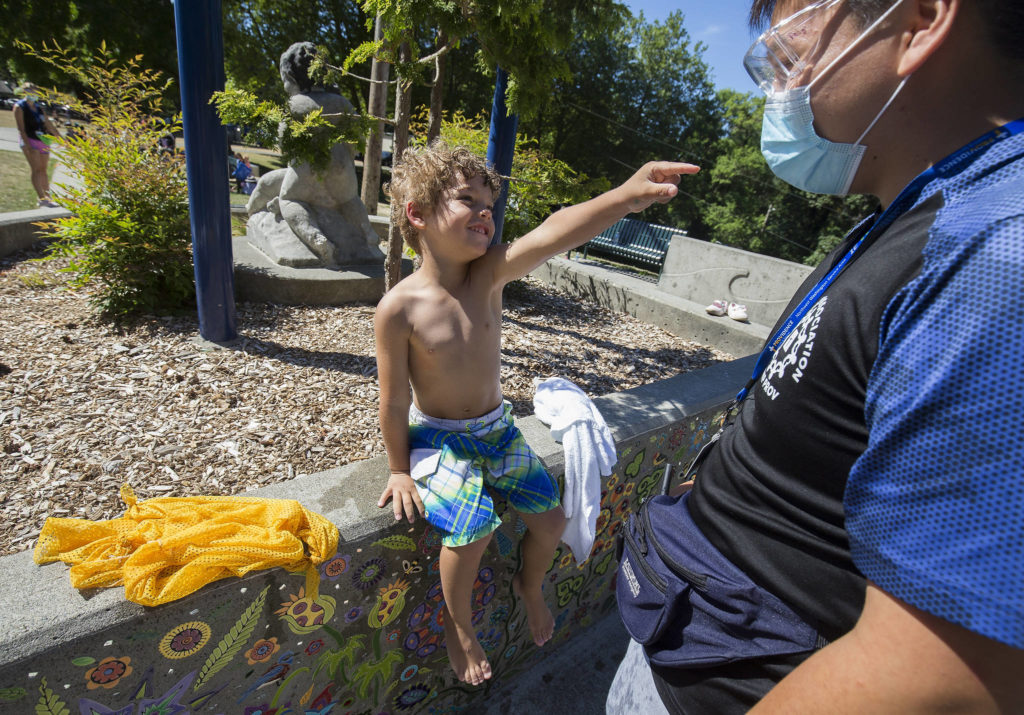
(929,23)
(414,214)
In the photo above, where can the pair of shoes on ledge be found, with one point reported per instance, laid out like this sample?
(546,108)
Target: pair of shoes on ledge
(47,204)
(733,310)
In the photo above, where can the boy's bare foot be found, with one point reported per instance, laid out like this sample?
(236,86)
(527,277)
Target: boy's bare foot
(538,615)
(467,658)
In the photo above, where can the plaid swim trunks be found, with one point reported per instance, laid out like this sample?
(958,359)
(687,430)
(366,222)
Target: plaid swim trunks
(452,461)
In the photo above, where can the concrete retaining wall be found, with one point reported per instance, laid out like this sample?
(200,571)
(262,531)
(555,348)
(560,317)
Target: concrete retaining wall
(652,304)
(702,272)
(19,230)
(372,642)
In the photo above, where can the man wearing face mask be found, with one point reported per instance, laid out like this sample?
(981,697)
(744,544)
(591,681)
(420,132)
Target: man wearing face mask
(867,501)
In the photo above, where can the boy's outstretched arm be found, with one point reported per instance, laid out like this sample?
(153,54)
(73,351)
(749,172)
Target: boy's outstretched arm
(392,331)
(572,226)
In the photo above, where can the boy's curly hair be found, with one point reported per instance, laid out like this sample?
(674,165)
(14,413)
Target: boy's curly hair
(422,176)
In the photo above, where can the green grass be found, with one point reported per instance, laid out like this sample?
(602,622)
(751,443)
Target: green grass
(266,162)
(16,192)
(238,225)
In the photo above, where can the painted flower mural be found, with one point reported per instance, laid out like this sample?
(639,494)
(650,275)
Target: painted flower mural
(410,697)
(184,640)
(262,651)
(352,614)
(373,654)
(430,541)
(332,569)
(304,614)
(367,575)
(484,589)
(263,709)
(426,629)
(389,604)
(108,673)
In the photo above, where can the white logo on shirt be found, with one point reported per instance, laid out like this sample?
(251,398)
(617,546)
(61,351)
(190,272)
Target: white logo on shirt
(634,585)
(794,352)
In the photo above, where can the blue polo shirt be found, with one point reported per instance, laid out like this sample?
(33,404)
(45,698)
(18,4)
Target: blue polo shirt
(935,504)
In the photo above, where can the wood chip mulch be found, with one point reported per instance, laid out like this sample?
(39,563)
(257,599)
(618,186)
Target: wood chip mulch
(86,406)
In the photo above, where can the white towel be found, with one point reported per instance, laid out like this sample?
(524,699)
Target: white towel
(589,455)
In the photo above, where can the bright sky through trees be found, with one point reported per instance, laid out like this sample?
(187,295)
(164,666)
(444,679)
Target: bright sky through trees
(719,24)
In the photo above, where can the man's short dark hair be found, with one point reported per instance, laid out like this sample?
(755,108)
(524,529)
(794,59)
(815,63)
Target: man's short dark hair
(1004,19)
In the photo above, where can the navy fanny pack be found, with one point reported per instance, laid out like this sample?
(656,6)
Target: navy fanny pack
(689,605)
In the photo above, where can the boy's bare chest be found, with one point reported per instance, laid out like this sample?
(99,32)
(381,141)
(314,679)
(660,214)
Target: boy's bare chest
(457,330)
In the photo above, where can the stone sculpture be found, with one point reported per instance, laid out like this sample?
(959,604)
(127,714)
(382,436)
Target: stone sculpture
(303,218)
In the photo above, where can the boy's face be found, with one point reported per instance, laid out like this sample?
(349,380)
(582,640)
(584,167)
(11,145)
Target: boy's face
(462,218)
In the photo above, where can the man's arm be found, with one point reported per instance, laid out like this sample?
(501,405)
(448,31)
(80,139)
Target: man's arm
(574,225)
(392,332)
(901,660)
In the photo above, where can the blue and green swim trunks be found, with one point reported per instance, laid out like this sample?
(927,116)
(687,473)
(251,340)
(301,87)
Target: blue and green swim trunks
(452,461)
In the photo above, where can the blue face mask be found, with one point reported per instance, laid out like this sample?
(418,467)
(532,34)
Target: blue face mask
(794,151)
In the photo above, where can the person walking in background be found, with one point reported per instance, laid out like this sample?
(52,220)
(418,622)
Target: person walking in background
(855,535)
(243,170)
(33,126)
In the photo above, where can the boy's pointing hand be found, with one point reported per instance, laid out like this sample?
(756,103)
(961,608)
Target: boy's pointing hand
(657,181)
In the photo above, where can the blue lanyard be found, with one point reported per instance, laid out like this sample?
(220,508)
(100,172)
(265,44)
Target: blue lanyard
(895,209)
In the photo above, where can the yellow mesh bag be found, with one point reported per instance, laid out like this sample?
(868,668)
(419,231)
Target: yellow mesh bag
(166,548)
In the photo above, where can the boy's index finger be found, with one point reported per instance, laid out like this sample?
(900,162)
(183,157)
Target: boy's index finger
(668,170)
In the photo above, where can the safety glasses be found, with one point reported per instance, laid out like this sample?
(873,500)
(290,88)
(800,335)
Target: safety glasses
(779,57)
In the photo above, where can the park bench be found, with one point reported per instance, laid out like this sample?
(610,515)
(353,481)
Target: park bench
(633,242)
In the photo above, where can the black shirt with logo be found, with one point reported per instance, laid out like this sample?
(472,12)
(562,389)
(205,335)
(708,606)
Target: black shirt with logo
(770,494)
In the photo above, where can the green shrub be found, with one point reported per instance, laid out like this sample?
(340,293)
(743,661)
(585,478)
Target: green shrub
(129,236)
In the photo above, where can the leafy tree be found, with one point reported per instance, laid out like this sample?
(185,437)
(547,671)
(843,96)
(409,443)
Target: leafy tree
(129,235)
(257,32)
(126,30)
(524,37)
(637,93)
(272,125)
(539,183)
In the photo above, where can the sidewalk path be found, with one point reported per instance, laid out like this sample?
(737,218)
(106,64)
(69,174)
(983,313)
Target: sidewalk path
(574,679)
(9,139)
(61,174)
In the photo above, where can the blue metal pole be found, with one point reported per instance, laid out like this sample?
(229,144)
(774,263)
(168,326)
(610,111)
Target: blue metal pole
(201,73)
(501,145)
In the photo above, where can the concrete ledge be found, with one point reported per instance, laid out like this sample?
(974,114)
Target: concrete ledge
(647,302)
(703,272)
(381,224)
(379,646)
(259,279)
(19,230)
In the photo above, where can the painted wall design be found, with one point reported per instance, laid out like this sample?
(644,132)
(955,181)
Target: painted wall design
(371,643)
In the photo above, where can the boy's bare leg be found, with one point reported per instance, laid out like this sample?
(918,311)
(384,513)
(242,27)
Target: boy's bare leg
(459,566)
(543,531)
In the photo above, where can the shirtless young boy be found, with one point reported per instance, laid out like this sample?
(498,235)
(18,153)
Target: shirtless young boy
(453,440)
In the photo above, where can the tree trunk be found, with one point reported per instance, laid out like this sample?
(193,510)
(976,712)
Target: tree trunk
(403,102)
(377,106)
(437,92)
